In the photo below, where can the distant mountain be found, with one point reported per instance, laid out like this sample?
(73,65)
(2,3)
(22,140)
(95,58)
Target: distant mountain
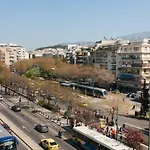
(135,36)
(88,43)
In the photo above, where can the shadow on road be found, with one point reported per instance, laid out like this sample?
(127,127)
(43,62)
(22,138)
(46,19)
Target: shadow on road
(135,117)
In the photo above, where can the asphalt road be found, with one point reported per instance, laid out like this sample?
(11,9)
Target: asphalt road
(22,146)
(26,121)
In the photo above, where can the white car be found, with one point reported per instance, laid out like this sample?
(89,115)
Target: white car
(1,97)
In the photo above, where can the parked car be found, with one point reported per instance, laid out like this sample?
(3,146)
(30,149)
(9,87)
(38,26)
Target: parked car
(43,128)
(6,126)
(1,97)
(133,95)
(49,144)
(16,108)
(115,91)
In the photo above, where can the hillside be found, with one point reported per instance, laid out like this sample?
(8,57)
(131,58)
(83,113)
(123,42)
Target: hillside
(54,46)
(135,36)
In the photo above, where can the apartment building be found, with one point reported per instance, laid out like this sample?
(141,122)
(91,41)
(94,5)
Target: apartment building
(134,64)
(10,53)
(129,61)
(105,54)
(78,54)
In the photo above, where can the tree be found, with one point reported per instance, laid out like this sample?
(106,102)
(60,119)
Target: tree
(145,99)
(134,138)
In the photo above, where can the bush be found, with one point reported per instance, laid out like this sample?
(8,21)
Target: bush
(40,103)
(46,105)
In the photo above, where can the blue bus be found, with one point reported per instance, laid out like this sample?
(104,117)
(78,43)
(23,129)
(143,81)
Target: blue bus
(7,140)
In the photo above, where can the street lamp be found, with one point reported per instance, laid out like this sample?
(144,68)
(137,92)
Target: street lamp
(144,87)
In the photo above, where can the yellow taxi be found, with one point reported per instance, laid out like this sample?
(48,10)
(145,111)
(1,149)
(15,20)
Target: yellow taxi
(83,104)
(49,144)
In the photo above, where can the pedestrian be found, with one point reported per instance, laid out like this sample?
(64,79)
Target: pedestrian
(107,120)
(133,107)
(19,99)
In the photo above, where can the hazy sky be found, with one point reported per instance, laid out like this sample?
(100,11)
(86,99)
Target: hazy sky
(36,23)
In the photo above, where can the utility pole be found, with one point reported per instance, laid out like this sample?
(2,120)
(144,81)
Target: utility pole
(93,87)
(117,124)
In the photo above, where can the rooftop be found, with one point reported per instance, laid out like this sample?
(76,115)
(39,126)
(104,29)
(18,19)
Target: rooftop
(100,138)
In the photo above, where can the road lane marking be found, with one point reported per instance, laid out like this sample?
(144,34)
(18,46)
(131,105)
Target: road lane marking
(25,128)
(20,133)
(43,136)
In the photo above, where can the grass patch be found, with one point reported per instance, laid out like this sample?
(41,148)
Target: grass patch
(33,73)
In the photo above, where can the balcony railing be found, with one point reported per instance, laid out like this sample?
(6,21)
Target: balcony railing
(146,65)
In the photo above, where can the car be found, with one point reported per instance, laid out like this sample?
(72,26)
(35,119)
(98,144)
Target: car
(115,91)
(16,108)
(49,144)
(1,97)
(83,104)
(6,126)
(43,128)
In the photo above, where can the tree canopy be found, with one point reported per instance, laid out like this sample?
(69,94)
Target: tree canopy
(60,69)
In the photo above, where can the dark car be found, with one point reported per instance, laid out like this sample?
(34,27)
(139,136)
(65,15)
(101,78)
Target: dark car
(43,128)
(6,127)
(16,108)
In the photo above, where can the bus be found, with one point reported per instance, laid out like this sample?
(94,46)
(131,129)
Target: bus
(90,139)
(7,140)
(91,91)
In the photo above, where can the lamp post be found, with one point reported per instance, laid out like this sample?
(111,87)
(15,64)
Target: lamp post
(93,86)
(117,124)
(144,88)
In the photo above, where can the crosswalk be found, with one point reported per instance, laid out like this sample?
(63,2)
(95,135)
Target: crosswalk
(6,104)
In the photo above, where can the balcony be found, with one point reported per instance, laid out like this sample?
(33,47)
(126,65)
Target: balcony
(146,66)
(113,63)
(131,58)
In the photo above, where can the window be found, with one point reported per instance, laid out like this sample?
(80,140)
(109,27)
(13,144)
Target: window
(136,48)
(144,70)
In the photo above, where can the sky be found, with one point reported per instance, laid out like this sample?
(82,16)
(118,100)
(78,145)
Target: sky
(37,23)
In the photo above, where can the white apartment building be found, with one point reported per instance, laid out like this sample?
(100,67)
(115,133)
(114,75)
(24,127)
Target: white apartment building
(105,54)
(78,54)
(129,61)
(134,64)
(10,53)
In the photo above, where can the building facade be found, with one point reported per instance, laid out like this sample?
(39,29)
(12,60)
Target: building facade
(134,64)
(105,54)
(10,53)
(128,61)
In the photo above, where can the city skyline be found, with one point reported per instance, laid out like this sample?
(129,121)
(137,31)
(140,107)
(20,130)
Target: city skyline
(35,24)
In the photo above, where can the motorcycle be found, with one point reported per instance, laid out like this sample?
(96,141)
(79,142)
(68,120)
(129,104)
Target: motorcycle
(60,134)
